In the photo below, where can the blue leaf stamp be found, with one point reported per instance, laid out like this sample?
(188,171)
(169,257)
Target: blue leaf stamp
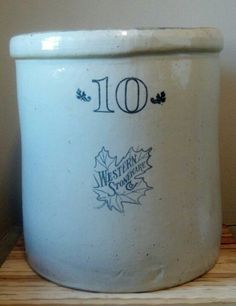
(81,95)
(121,182)
(160,98)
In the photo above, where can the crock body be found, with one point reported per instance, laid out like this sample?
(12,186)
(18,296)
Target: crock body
(120,168)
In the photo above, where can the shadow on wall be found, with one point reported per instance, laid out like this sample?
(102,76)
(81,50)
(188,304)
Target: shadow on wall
(228,145)
(15,179)
(10,191)
(10,205)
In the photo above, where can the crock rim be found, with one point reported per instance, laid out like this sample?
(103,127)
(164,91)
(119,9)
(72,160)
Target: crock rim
(115,42)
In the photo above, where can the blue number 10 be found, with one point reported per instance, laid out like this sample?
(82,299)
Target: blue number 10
(131,95)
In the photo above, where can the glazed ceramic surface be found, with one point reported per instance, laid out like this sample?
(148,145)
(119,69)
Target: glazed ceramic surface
(120,155)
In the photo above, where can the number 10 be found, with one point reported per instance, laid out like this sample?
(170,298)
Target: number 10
(122,95)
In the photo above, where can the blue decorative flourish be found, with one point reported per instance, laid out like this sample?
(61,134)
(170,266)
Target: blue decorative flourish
(160,98)
(121,182)
(81,95)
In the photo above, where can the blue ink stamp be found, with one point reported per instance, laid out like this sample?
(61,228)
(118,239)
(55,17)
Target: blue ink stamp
(119,183)
(160,98)
(81,95)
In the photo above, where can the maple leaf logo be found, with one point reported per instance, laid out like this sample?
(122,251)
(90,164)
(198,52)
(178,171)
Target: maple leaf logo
(119,183)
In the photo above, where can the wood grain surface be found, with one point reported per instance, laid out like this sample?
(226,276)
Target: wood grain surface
(19,285)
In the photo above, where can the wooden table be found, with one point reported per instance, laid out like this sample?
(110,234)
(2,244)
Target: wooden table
(19,285)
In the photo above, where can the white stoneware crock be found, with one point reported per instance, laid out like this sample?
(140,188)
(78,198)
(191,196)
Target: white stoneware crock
(120,155)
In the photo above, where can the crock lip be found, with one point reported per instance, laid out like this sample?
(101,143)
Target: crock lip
(115,42)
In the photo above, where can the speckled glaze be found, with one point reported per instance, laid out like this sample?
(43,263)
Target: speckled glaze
(120,155)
